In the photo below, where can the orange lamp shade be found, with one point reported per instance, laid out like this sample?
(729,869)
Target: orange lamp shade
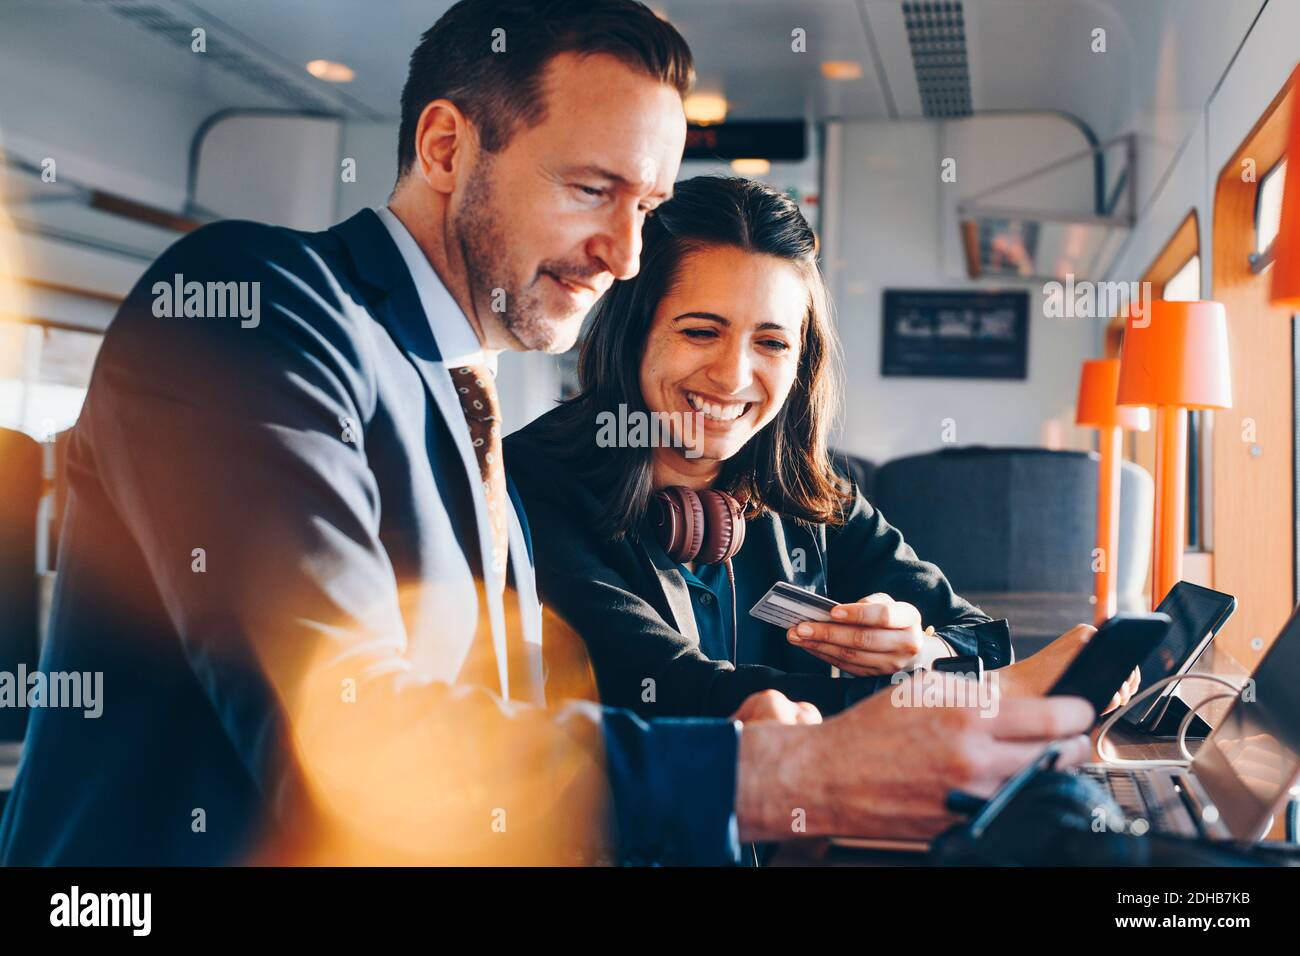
(1286,247)
(1098,387)
(1176,355)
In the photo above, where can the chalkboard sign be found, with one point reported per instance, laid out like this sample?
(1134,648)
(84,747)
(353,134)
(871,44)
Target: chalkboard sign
(748,139)
(955,334)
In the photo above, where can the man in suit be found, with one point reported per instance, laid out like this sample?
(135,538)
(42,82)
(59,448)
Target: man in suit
(292,552)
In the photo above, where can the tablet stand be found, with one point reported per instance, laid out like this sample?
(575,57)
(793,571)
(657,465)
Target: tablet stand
(1165,724)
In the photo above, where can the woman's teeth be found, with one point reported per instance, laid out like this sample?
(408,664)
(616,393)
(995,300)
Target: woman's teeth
(715,411)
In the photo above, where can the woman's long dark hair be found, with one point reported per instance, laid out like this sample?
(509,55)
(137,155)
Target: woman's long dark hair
(785,466)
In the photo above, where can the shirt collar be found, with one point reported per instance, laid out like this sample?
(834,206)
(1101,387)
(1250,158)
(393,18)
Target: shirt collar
(456,340)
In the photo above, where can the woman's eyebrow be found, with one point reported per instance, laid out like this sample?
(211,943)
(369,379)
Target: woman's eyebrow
(714,317)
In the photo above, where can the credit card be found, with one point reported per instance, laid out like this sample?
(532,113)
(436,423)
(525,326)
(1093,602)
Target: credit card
(786,605)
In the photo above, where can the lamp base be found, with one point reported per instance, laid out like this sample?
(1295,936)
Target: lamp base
(1171,500)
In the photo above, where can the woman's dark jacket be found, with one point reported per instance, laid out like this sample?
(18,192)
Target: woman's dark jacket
(630,603)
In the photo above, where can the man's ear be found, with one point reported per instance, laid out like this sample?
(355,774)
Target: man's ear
(444,140)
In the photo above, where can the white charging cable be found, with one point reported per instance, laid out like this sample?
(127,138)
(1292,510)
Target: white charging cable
(1182,728)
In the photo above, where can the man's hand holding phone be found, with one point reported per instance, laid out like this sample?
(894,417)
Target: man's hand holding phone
(882,770)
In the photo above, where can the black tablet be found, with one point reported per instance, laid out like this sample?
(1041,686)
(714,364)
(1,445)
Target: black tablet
(1196,614)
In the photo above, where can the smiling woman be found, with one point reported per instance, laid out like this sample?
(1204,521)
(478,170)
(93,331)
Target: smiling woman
(727,322)
(734,369)
(728,314)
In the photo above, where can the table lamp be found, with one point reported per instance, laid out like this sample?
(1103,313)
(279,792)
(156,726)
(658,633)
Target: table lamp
(1286,247)
(1174,358)
(1096,408)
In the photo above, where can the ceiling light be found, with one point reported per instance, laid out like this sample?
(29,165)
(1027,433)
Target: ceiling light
(751,167)
(331,72)
(705,108)
(842,70)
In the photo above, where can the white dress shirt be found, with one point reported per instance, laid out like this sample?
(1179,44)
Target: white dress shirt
(459,346)
(457,342)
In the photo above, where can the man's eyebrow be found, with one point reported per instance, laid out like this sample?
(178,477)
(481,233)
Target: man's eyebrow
(714,317)
(602,173)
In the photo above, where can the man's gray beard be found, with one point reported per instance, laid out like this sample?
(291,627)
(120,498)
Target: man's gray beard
(483,244)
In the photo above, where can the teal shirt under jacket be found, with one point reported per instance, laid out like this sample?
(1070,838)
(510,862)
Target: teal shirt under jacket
(634,609)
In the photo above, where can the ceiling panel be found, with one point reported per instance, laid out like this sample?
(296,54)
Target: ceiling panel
(743,48)
(375,39)
(1036,55)
(1162,61)
(1024,54)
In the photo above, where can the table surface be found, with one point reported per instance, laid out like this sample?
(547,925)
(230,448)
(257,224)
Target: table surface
(1039,617)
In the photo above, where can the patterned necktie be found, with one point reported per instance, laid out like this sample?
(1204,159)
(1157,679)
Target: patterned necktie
(478,398)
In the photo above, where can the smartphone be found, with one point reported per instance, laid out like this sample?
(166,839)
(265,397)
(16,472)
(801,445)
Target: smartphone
(1105,662)
(1198,614)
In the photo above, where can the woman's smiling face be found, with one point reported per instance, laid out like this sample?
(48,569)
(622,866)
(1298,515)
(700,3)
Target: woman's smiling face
(724,342)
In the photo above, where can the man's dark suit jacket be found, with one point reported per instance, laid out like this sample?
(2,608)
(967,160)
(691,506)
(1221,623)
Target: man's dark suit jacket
(631,604)
(251,506)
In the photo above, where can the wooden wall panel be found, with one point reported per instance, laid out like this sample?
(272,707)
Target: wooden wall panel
(1254,523)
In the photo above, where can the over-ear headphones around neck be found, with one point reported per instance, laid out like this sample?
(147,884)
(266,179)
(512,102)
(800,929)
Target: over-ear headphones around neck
(706,526)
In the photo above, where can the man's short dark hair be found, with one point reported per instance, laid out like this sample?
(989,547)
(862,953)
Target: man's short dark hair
(498,91)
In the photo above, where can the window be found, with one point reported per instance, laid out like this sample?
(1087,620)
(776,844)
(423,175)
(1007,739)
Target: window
(44,372)
(1185,284)
(1268,208)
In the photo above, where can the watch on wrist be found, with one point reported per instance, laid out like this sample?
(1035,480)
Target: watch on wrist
(969,665)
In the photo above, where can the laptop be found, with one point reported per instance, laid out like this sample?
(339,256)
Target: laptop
(1242,772)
